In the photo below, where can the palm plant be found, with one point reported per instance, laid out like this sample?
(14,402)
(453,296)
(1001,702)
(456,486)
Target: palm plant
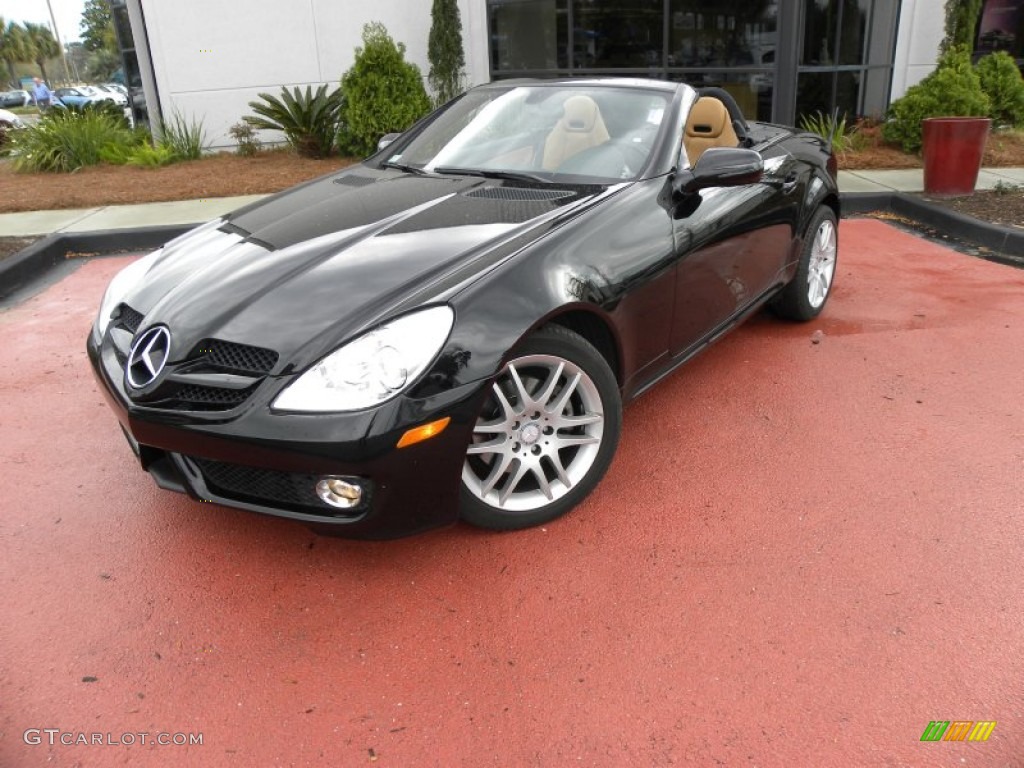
(309,121)
(15,46)
(43,45)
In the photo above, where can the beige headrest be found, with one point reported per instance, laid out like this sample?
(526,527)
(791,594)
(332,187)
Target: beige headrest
(708,118)
(580,113)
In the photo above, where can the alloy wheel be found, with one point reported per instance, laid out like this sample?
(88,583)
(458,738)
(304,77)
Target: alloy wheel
(538,435)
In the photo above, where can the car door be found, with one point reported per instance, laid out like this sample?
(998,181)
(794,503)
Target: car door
(731,245)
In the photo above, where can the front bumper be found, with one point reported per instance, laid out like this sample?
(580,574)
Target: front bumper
(254,459)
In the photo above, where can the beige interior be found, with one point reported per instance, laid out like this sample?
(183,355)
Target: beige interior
(709,125)
(580,127)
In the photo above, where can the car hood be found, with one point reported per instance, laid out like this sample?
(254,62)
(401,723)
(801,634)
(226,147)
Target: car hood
(304,270)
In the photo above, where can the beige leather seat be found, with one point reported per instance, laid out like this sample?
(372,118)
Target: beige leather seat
(709,125)
(580,127)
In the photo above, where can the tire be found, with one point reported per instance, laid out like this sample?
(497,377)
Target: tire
(806,294)
(545,435)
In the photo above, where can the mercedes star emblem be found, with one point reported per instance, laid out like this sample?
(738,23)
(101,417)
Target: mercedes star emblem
(148,356)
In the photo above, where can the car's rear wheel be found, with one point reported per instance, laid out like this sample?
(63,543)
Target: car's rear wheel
(545,435)
(806,294)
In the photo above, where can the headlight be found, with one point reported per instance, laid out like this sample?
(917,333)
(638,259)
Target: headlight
(372,368)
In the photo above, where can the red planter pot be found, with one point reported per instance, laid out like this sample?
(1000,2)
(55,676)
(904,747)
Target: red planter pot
(953,147)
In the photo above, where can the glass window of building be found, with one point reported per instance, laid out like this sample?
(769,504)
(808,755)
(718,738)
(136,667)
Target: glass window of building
(778,58)
(130,62)
(729,44)
(528,37)
(621,35)
(846,57)
(1001,28)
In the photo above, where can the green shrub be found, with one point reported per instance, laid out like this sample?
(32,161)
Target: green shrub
(5,140)
(1002,83)
(65,140)
(246,139)
(383,92)
(952,90)
(309,121)
(150,156)
(116,154)
(115,112)
(185,139)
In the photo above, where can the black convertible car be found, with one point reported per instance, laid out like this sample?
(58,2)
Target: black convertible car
(449,329)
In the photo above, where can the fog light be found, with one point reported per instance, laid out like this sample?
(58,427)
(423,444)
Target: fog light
(339,492)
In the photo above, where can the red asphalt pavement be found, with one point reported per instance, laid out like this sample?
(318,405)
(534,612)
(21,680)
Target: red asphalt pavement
(802,554)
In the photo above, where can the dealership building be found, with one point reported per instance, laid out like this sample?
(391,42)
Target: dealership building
(779,58)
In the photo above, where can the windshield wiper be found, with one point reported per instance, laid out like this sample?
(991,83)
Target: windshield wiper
(404,168)
(489,173)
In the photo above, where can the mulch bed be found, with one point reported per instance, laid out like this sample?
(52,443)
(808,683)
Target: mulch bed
(1004,149)
(223,175)
(999,207)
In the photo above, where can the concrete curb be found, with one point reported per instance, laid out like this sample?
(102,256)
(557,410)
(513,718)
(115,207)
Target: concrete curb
(27,265)
(1007,243)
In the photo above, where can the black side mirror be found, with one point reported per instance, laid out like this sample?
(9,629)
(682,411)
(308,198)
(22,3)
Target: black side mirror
(386,139)
(720,167)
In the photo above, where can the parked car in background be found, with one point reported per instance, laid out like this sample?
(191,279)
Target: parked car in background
(15,99)
(8,122)
(112,94)
(116,87)
(80,96)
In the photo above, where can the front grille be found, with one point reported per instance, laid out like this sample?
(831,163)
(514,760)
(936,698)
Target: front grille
(208,356)
(266,487)
(229,357)
(129,319)
(194,397)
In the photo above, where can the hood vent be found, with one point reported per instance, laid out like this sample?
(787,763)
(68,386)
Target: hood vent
(351,180)
(517,194)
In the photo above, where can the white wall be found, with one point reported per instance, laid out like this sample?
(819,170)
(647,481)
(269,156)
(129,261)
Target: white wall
(921,30)
(212,57)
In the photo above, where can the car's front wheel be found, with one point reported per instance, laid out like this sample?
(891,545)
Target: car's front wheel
(545,436)
(805,296)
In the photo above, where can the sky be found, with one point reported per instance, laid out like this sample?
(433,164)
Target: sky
(68,13)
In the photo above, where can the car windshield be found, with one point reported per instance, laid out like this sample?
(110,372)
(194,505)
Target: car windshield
(87,90)
(541,132)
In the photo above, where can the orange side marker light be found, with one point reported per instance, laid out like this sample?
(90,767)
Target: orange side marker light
(423,432)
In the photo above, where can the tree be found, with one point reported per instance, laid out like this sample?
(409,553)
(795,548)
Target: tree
(15,46)
(44,45)
(961,23)
(97,27)
(382,92)
(445,51)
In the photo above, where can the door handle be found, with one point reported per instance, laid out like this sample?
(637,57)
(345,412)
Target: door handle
(789,184)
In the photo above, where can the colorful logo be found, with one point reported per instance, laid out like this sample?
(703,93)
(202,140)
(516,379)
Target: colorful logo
(958,730)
